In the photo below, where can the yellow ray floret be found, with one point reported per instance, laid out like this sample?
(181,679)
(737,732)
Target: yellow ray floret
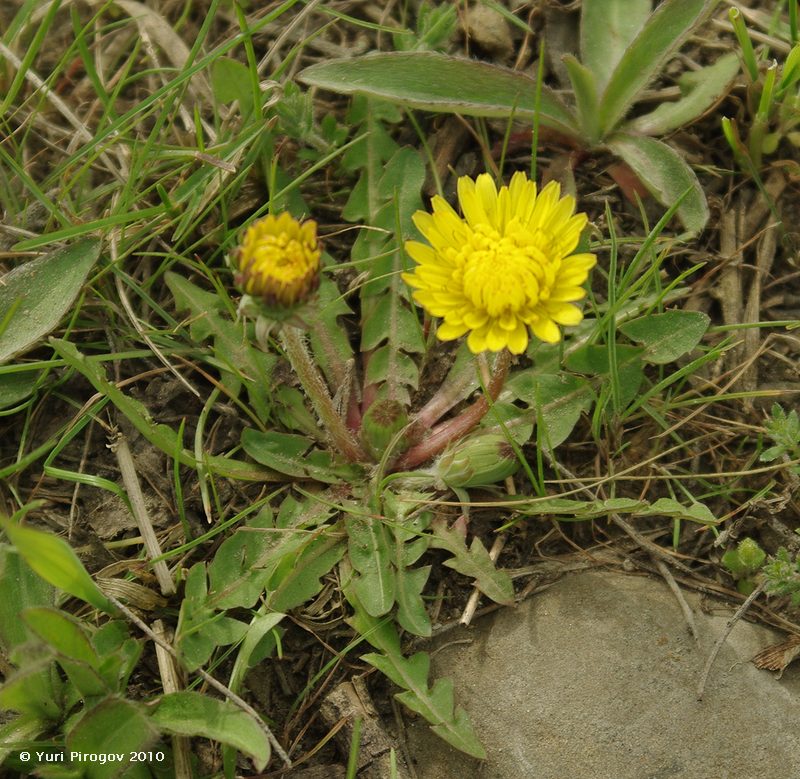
(279,260)
(503,270)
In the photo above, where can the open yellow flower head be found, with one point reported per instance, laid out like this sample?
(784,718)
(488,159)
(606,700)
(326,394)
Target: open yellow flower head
(279,261)
(505,267)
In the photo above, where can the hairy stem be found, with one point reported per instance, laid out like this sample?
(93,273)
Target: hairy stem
(314,386)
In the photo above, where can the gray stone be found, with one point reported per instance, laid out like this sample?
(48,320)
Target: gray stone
(596,677)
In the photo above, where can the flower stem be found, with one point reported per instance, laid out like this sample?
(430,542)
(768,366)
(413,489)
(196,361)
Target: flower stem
(455,428)
(296,350)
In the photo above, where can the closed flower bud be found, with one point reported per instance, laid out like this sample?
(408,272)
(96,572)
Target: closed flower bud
(383,420)
(278,262)
(476,462)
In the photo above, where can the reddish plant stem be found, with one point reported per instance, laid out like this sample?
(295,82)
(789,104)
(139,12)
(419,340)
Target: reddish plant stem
(443,434)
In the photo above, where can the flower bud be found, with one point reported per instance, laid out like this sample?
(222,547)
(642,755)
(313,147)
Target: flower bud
(479,461)
(278,262)
(383,420)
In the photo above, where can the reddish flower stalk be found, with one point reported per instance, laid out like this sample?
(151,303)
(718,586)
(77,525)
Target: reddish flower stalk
(455,428)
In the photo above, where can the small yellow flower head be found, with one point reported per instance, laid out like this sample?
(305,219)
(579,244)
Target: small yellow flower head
(503,268)
(279,261)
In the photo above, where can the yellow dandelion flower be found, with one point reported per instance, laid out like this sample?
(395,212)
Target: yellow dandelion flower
(279,261)
(503,268)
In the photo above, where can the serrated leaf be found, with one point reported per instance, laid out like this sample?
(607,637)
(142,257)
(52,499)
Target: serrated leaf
(389,319)
(192,714)
(437,82)
(411,612)
(287,453)
(368,155)
(668,336)
(411,674)
(330,341)
(669,507)
(371,555)
(663,33)
(35,295)
(701,89)
(607,29)
(53,559)
(473,562)
(299,582)
(580,510)
(665,174)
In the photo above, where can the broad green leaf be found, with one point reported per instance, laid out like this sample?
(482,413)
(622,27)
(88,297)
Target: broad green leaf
(668,507)
(119,653)
(662,35)
(22,589)
(236,574)
(192,714)
(411,674)
(34,690)
(473,562)
(607,29)
(558,400)
(371,555)
(700,90)
(231,80)
(249,652)
(436,82)
(63,633)
(161,436)
(667,336)
(410,541)
(584,85)
(627,371)
(54,560)
(288,453)
(299,581)
(411,612)
(567,509)
(666,176)
(114,727)
(15,387)
(35,295)
(19,732)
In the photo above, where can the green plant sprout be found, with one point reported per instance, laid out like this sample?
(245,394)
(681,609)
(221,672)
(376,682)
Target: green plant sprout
(782,575)
(623,48)
(772,105)
(784,430)
(744,563)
